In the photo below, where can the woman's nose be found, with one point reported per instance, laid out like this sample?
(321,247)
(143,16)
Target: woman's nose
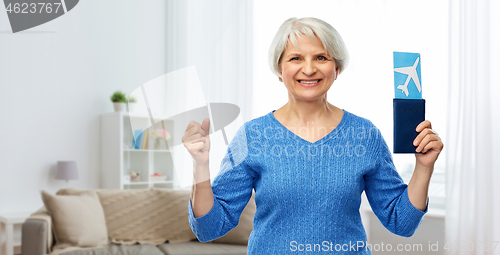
(309,68)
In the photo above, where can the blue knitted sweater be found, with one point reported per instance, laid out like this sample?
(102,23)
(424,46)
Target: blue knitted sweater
(307,194)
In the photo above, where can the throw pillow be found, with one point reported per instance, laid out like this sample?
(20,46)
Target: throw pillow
(77,220)
(143,216)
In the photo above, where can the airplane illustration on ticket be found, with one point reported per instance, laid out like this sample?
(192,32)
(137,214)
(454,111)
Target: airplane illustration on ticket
(407,69)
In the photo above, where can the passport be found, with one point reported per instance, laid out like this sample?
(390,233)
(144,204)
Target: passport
(408,113)
(408,105)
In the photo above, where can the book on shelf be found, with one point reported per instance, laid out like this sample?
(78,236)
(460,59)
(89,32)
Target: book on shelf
(137,138)
(158,178)
(145,140)
(142,140)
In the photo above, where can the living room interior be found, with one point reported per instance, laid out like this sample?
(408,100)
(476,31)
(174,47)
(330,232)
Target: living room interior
(63,135)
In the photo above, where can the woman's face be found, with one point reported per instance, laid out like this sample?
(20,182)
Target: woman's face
(307,71)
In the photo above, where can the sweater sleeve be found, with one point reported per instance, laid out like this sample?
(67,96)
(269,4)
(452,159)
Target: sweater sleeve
(232,188)
(388,194)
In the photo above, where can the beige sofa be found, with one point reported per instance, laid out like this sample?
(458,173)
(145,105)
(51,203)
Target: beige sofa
(149,222)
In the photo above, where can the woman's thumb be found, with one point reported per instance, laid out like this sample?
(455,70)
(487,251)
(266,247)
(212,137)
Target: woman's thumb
(206,125)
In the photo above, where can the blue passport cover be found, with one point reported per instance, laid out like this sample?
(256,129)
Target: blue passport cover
(408,113)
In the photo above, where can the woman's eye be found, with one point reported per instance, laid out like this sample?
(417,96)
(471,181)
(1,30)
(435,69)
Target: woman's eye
(295,58)
(321,58)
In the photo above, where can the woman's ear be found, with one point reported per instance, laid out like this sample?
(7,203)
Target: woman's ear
(281,71)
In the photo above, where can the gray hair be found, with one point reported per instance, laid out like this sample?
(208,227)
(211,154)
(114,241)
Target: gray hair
(293,27)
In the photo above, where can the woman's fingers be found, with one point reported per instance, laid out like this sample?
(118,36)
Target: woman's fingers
(426,140)
(193,131)
(424,124)
(205,126)
(197,144)
(421,136)
(433,145)
(191,139)
(197,141)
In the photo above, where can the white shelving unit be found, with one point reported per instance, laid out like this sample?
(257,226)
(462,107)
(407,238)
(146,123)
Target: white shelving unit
(119,158)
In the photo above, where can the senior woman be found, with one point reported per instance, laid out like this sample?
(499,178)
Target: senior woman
(308,162)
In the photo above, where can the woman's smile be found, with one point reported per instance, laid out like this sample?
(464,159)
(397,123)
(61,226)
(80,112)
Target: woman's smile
(309,82)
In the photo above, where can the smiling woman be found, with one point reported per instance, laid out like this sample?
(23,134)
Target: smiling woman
(307,187)
(308,71)
(307,55)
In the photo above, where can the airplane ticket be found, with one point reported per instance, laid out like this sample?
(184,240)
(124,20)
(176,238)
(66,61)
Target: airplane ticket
(407,75)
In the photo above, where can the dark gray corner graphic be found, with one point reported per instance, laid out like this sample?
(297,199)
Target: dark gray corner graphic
(70,4)
(25,14)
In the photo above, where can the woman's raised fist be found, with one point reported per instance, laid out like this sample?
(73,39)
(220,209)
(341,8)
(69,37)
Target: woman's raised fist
(197,141)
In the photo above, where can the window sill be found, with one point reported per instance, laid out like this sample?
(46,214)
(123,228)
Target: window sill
(436,213)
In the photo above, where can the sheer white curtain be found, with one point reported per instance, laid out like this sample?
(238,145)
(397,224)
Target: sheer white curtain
(473,200)
(214,38)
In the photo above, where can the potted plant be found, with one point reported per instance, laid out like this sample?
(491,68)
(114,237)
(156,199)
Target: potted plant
(132,102)
(119,99)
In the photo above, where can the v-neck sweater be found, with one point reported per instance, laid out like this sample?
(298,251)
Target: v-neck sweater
(307,194)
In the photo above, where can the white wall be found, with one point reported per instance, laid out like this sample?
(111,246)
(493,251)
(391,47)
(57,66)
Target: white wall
(56,79)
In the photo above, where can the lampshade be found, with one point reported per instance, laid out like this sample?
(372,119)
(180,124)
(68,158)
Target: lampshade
(66,170)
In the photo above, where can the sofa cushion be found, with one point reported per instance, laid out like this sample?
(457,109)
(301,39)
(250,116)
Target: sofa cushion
(77,220)
(196,247)
(144,216)
(145,249)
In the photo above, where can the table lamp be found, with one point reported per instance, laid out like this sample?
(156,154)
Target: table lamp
(66,170)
